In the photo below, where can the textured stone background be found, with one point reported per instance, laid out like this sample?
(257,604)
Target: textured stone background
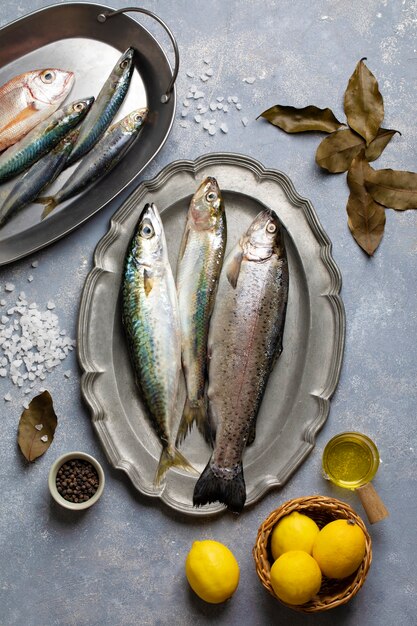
(121,563)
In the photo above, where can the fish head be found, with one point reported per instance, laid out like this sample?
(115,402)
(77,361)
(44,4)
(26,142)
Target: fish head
(206,205)
(133,122)
(78,110)
(263,237)
(123,69)
(148,241)
(50,86)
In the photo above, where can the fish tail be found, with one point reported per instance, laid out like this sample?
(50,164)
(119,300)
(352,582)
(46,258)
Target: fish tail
(50,203)
(193,412)
(212,486)
(171,457)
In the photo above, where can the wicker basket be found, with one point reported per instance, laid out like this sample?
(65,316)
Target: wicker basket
(322,510)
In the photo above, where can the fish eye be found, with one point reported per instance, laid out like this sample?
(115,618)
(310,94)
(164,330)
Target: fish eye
(137,118)
(79,106)
(147,231)
(124,64)
(211,196)
(48,76)
(271,228)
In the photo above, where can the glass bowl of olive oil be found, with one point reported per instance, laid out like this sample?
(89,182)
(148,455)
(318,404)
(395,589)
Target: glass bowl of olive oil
(350,460)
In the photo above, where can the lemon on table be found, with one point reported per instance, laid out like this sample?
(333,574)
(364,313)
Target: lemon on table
(293,532)
(295,577)
(212,571)
(339,548)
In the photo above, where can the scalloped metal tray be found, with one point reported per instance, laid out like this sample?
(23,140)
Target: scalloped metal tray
(71,35)
(296,403)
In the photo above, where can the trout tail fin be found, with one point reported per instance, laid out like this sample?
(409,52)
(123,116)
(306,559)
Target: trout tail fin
(193,412)
(49,202)
(215,486)
(171,457)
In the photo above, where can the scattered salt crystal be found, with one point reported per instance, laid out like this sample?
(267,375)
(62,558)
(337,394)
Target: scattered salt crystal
(207,61)
(245,121)
(3,372)
(204,78)
(238,106)
(219,98)
(198,95)
(26,391)
(51,304)
(225,108)
(197,118)
(4,319)
(250,80)
(190,95)
(209,72)
(8,397)
(38,426)
(67,374)
(212,130)
(25,405)
(30,278)
(235,99)
(9,287)
(44,438)
(193,88)
(213,106)
(3,302)
(184,113)
(185,103)
(206,125)
(203,110)
(224,128)
(190,74)
(219,106)
(183,124)
(35,263)
(229,99)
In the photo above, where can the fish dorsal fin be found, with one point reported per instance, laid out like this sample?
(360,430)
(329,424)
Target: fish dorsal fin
(233,268)
(148,281)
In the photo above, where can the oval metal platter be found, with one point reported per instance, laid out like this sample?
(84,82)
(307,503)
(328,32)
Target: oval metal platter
(70,36)
(296,402)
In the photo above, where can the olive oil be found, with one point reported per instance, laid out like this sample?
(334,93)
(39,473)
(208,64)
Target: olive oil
(350,460)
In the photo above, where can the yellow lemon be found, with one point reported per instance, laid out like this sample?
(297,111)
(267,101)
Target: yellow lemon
(293,532)
(295,577)
(212,571)
(339,548)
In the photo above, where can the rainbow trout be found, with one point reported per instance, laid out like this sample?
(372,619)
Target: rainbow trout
(199,265)
(151,322)
(245,340)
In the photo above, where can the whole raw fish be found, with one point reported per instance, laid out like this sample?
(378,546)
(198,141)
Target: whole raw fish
(245,340)
(30,98)
(151,322)
(107,103)
(105,155)
(42,173)
(42,138)
(199,265)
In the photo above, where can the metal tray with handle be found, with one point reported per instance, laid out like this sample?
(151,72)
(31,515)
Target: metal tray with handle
(297,398)
(88,39)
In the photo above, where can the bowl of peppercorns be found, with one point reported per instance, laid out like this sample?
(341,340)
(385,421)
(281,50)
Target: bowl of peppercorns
(76,480)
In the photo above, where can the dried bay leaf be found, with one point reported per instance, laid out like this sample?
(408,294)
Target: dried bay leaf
(310,118)
(378,145)
(366,218)
(336,152)
(363,103)
(34,441)
(395,189)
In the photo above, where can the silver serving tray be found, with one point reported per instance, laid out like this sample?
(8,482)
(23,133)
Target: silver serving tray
(76,36)
(296,402)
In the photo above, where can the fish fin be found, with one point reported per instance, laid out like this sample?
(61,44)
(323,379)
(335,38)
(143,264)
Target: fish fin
(251,434)
(211,487)
(193,412)
(148,281)
(50,204)
(233,268)
(184,241)
(171,457)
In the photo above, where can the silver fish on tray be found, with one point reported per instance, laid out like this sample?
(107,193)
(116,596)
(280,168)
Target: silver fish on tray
(199,263)
(29,185)
(245,340)
(152,326)
(42,138)
(105,155)
(28,99)
(105,107)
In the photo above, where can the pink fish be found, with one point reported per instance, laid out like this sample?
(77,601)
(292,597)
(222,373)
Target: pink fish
(30,98)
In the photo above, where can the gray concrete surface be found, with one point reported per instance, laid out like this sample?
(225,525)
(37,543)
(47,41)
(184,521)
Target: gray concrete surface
(122,562)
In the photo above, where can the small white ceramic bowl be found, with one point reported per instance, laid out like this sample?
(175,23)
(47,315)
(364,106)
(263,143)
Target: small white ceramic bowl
(75,506)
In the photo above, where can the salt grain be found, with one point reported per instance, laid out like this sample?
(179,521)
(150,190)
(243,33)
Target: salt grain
(198,95)
(9,287)
(224,128)
(209,72)
(44,438)
(204,78)
(190,74)
(245,121)
(8,397)
(30,278)
(186,103)
(197,118)
(238,106)
(219,106)
(212,130)
(213,106)
(250,80)
(67,374)
(183,124)
(3,302)
(38,426)
(35,263)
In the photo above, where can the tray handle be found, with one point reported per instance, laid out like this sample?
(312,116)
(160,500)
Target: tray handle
(104,16)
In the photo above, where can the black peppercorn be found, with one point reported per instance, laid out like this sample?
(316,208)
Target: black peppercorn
(77,480)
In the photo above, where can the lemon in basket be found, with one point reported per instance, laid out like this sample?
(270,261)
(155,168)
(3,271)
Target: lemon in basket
(295,577)
(293,532)
(212,571)
(339,548)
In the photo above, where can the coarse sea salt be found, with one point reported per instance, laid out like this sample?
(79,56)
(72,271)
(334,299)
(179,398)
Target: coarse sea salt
(31,343)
